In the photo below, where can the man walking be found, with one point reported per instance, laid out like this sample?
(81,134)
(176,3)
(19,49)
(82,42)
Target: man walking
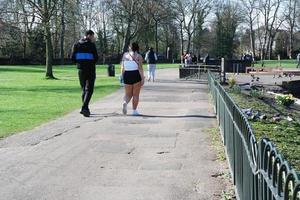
(151,59)
(298,60)
(85,56)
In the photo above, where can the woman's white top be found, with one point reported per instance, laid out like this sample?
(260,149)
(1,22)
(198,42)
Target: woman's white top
(130,65)
(128,62)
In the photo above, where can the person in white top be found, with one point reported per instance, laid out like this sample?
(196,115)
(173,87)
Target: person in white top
(133,77)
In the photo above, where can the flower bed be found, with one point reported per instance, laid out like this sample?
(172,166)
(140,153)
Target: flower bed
(279,123)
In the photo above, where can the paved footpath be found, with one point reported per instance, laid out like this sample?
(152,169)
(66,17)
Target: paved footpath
(165,154)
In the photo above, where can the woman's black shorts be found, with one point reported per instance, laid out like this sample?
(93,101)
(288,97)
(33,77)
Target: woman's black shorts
(132,77)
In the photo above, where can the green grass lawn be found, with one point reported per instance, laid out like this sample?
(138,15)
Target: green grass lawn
(164,66)
(28,99)
(276,63)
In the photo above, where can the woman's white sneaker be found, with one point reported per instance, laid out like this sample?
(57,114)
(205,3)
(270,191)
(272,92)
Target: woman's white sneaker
(135,113)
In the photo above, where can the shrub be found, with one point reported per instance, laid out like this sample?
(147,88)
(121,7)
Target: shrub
(284,100)
(255,93)
(231,81)
(236,89)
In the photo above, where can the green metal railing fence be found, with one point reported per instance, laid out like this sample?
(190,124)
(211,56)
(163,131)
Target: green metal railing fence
(197,71)
(259,171)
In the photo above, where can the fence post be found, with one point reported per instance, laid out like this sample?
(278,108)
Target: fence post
(223,78)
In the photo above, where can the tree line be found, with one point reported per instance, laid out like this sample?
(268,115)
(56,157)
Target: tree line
(43,30)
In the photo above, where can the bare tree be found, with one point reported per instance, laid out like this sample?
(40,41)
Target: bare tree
(187,12)
(291,17)
(199,21)
(29,20)
(102,27)
(120,21)
(15,15)
(89,12)
(45,10)
(125,19)
(159,11)
(250,8)
(62,32)
(179,6)
(272,21)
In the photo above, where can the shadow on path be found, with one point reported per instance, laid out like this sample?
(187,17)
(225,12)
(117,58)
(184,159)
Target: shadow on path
(153,116)
(179,116)
(180,81)
(113,114)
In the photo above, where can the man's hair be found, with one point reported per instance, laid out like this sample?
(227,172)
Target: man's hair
(134,46)
(89,32)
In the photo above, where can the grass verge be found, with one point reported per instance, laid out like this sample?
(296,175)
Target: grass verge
(276,63)
(228,193)
(217,143)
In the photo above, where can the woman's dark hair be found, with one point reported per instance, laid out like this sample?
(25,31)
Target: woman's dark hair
(134,46)
(89,32)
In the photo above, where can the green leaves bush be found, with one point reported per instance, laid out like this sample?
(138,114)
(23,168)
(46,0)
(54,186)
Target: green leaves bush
(255,93)
(231,81)
(284,100)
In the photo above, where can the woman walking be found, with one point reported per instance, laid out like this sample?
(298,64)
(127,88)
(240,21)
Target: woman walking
(133,75)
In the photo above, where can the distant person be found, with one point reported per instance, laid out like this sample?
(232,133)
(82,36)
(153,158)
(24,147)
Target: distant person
(187,59)
(194,59)
(206,59)
(183,58)
(85,55)
(151,59)
(133,76)
(243,57)
(199,58)
(298,60)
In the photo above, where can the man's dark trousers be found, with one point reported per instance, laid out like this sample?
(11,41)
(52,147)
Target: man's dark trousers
(87,82)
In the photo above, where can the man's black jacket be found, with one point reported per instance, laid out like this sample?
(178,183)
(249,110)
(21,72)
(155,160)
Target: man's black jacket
(85,55)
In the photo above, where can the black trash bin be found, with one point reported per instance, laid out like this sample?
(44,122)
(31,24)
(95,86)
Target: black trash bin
(111,70)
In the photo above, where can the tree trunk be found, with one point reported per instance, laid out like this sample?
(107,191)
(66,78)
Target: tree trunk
(265,46)
(265,38)
(271,42)
(269,49)
(105,46)
(189,43)
(292,21)
(25,43)
(156,36)
(181,37)
(270,45)
(252,39)
(62,34)
(55,40)
(126,40)
(291,40)
(49,51)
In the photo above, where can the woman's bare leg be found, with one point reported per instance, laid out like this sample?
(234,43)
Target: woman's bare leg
(127,97)
(128,93)
(136,95)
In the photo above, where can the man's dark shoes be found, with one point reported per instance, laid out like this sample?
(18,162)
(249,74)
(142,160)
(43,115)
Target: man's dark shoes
(85,113)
